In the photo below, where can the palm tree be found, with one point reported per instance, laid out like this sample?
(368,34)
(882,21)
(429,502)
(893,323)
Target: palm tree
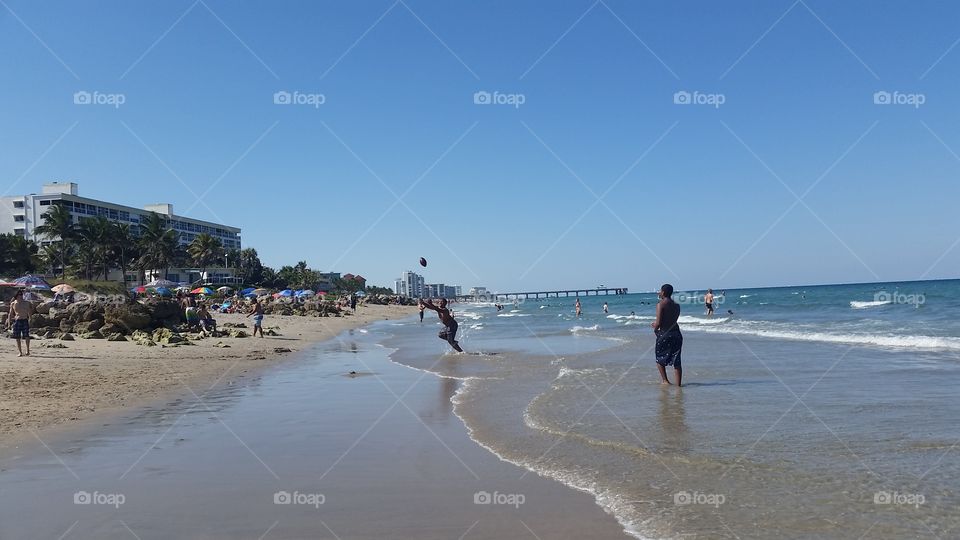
(123,246)
(204,251)
(96,243)
(58,223)
(17,255)
(158,243)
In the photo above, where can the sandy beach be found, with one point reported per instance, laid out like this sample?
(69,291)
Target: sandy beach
(60,385)
(302,450)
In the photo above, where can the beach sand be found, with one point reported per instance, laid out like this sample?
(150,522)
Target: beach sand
(55,386)
(301,450)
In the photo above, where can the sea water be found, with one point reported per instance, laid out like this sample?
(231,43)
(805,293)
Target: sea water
(813,411)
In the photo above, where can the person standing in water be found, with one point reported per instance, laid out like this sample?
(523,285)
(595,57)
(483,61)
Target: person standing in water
(449,332)
(605,308)
(708,302)
(578,307)
(669,338)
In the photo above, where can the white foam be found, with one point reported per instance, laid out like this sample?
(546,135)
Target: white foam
(745,295)
(513,315)
(863,305)
(576,329)
(877,340)
(688,319)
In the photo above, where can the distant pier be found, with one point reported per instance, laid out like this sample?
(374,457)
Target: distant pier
(493,297)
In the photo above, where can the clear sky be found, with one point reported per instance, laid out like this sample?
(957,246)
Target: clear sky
(796,176)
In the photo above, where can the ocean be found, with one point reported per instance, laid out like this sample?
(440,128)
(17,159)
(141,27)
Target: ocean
(812,411)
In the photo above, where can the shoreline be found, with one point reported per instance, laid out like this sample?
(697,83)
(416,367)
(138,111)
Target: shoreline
(57,387)
(263,438)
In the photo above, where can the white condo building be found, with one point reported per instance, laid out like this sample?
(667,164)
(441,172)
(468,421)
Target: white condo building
(23,213)
(410,284)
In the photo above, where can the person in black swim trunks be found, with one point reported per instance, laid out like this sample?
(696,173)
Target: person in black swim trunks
(708,302)
(449,333)
(669,338)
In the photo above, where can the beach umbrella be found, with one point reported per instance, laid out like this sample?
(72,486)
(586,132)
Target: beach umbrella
(224,289)
(261,292)
(247,291)
(63,288)
(322,293)
(140,289)
(202,290)
(361,293)
(305,292)
(32,281)
(183,289)
(162,283)
(163,291)
(285,292)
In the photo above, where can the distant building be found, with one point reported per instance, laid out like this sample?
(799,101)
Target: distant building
(410,284)
(350,277)
(439,290)
(25,212)
(327,281)
(478,291)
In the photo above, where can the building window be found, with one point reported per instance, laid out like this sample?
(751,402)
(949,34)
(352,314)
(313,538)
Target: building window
(19,232)
(44,203)
(18,218)
(18,204)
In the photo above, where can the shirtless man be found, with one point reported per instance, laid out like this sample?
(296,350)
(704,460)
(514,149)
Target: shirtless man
(669,338)
(708,302)
(257,313)
(449,333)
(19,320)
(579,310)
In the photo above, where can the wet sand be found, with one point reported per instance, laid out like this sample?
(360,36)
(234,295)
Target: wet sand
(54,386)
(303,450)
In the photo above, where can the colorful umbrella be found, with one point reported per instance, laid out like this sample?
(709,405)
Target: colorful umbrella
(202,290)
(63,288)
(140,289)
(32,281)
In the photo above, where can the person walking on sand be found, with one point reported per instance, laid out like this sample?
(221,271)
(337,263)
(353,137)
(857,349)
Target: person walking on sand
(353,303)
(257,312)
(449,332)
(708,302)
(421,308)
(19,320)
(579,309)
(669,338)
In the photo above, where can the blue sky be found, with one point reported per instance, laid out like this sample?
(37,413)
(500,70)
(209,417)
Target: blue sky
(798,176)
